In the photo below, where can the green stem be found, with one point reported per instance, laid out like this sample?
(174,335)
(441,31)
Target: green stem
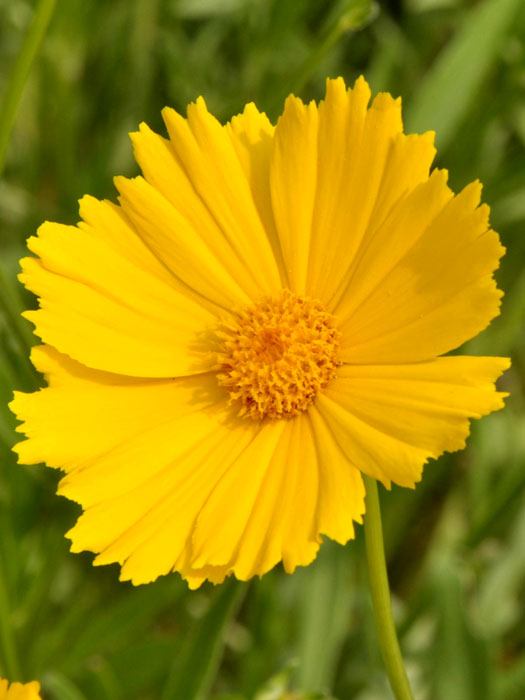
(20,72)
(380,591)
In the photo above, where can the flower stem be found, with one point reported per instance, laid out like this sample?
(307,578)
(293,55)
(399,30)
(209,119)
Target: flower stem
(18,77)
(380,592)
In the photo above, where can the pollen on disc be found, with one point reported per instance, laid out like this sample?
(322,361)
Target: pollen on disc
(278,355)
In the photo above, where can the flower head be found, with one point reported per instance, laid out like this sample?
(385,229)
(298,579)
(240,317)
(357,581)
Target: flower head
(19,691)
(258,321)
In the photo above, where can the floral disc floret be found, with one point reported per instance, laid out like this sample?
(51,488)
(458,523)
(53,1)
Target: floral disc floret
(278,356)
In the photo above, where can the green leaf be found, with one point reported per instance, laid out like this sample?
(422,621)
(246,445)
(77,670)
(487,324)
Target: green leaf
(460,661)
(59,687)
(452,83)
(198,659)
(12,307)
(131,614)
(325,601)
(504,581)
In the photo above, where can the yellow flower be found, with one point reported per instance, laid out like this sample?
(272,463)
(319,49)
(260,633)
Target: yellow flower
(19,691)
(256,324)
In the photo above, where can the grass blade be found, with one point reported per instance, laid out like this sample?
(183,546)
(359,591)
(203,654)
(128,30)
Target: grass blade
(453,81)
(61,687)
(326,600)
(20,73)
(196,665)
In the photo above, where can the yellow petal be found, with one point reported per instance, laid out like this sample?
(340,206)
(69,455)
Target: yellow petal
(19,691)
(211,162)
(336,173)
(141,456)
(293,492)
(110,310)
(293,180)
(164,172)
(169,480)
(109,410)
(358,147)
(149,529)
(341,488)
(175,242)
(252,137)
(342,118)
(276,517)
(428,297)
(406,166)
(257,544)
(390,419)
(301,538)
(107,223)
(223,530)
(405,223)
(61,370)
(220,525)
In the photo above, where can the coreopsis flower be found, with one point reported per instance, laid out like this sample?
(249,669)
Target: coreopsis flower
(259,321)
(19,691)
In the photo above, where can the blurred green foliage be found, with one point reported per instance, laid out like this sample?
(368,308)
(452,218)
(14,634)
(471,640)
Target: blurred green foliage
(455,545)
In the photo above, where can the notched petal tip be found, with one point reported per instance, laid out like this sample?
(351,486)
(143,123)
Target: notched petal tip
(32,315)
(361,82)
(335,83)
(123,184)
(200,103)
(296,109)
(470,195)
(169,114)
(505,363)
(430,135)
(251,120)
(384,102)
(32,243)
(143,128)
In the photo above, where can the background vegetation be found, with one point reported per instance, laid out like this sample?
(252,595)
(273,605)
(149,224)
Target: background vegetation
(455,546)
